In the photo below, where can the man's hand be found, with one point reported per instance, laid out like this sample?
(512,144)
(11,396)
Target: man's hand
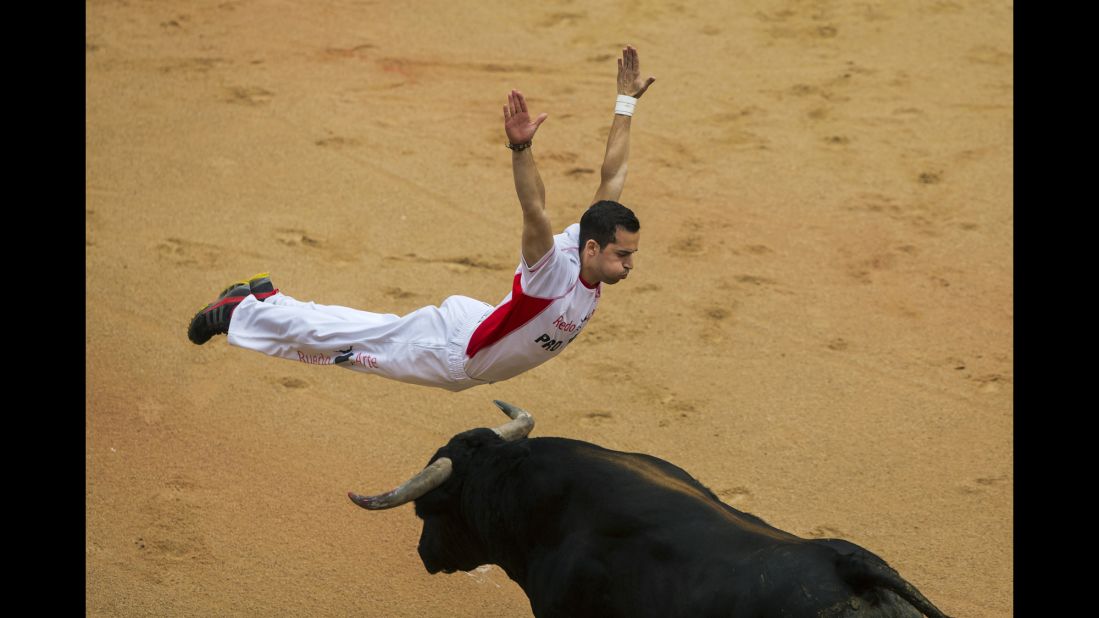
(612,175)
(517,123)
(629,75)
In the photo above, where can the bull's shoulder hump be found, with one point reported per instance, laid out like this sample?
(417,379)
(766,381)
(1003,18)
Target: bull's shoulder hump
(584,459)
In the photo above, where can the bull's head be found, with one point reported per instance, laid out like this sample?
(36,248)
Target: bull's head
(449,541)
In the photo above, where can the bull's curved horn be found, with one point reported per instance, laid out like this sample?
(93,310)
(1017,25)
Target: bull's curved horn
(429,478)
(521,422)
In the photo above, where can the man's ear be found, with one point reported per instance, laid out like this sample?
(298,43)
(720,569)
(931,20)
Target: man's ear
(591,247)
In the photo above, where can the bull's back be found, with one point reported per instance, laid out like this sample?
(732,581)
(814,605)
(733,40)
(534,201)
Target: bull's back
(651,537)
(638,536)
(635,490)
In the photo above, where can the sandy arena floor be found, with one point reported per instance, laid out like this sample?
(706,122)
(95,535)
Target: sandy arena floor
(819,327)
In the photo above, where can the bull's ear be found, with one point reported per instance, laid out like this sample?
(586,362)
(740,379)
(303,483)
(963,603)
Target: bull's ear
(521,422)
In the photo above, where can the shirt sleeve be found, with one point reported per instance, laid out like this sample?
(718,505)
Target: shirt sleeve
(557,271)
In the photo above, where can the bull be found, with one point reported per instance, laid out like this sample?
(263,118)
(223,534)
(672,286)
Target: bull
(588,531)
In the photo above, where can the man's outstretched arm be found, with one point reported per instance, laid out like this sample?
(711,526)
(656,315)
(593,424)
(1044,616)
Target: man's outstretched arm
(520,129)
(612,176)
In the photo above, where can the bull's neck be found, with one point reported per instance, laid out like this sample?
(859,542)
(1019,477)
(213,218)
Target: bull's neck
(501,523)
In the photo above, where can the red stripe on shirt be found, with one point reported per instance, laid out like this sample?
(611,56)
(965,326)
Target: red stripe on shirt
(507,318)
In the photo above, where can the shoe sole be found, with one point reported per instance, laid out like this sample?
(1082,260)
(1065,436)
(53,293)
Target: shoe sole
(248,282)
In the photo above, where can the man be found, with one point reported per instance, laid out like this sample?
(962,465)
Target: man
(464,342)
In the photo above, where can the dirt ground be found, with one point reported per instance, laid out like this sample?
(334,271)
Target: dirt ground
(819,327)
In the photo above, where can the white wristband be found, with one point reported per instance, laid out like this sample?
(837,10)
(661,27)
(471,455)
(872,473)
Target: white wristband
(624,104)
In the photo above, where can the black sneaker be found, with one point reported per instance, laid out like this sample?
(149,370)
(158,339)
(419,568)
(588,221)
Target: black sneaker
(214,318)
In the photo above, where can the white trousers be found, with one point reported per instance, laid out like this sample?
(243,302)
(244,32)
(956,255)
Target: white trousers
(426,346)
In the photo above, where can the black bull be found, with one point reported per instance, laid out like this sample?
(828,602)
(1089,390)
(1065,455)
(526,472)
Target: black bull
(587,531)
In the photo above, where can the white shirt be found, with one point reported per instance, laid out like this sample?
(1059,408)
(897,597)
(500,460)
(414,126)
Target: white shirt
(549,304)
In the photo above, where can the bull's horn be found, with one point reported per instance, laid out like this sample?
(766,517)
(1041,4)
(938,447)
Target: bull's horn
(429,478)
(521,422)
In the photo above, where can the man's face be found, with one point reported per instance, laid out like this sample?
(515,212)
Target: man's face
(615,261)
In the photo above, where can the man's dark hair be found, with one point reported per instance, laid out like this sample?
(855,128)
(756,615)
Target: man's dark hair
(602,219)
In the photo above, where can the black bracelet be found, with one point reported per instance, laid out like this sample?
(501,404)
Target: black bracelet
(518,147)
